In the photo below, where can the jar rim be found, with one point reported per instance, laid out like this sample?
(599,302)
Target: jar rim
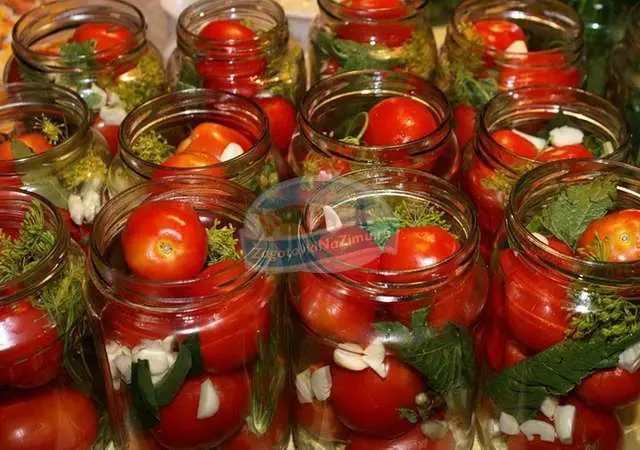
(339,11)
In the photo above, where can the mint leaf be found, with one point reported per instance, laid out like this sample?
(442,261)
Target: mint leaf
(574,207)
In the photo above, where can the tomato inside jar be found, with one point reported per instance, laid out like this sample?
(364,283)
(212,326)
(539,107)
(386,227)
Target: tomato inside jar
(526,127)
(560,368)
(394,274)
(192,335)
(347,124)
(492,46)
(48,395)
(98,50)
(352,35)
(202,132)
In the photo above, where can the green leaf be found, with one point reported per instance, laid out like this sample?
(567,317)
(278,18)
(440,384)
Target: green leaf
(168,387)
(192,343)
(597,148)
(409,414)
(574,207)
(92,99)
(189,78)
(353,129)
(419,53)
(46,184)
(223,245)
(20,150)
(143,395)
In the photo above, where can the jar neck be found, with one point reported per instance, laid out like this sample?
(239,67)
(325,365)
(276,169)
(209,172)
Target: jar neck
(14,207)
(342,12)
(53,21)
(367,194)
(265,17)
(531,106)
(537,188)
(28,103)
(324,106)
(174,115)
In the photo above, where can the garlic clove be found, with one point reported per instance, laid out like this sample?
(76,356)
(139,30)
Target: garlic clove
(564,422)
(169,343)
(532,428)
(351,347)
(123,367)
(629,359)
(303,387)
(509,424)
(381,368)
(374,353)
(231,151)
(537,142)
(493,428)
(158,361)
(548,407)
(331,219)
(518,46)
(565,135)
(209,401)
(434,429)
(349,360)
(321,383)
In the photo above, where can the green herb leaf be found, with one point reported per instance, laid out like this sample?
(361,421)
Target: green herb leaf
(223,245)
(143,395)
(146,81)
(353,129)
(286,81)
(86,168)
(168,387)
(189,77)
(409,414)
(152,147)
(80,56)
(192,343)
(45,183)
(597,148)
(574,207)
(418,55)
(20,150)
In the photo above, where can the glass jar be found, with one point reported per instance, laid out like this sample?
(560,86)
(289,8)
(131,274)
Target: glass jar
(151,137)
(565,356)
(318,153)
(624,83)
(361,330)
(49,390)
(71,44)
(50,149)
(489,169)
(220,378)
(345,38)
(471,73)
(266,63)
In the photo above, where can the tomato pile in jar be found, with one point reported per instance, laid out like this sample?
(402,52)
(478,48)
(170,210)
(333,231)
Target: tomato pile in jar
(352,35)
(98,49)
(563,325)
(48,147)
(369,118)
(527,127)
(198,131)
(192,338)
(494,46)
(385,312)
(48,397)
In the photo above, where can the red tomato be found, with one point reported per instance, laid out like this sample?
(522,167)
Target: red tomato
(610,389)
(350,246)
(377,9)
(464,118)
(398,120)
(35,141)
(577,151)
(368,403)
(535,307)
(413,440)
(246,86)
(46,419)
(179,427)
(190,160)
(106,36)
(30,351)
(213,138)
(559,246)
(501,351)
(331,312)
(282,121)
(391,35)
(164,240)
(515,144)
(109,132)
(538,68)
(79,233)
(319,419)
(498,33)
(619,234)
(272,438)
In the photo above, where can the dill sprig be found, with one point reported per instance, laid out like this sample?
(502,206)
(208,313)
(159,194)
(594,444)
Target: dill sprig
(152,147)
(89,166)
(223,245)
(52,131)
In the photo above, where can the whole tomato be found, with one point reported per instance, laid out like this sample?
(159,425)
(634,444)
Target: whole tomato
(30,350)
(368,403)
(190,160)
(282,121)
(109,132)
(614,237)
(164,240)
(377,9)
(350,246)
(501,350)
(610,389)
(577,151)
(398,120)
(389,34)
(538,68)
(106,37)
(413,440)
(212,138)
(179,426)
(498,33)
(46,419)
(319,419)
(465,118)
(36,142)
(516,144)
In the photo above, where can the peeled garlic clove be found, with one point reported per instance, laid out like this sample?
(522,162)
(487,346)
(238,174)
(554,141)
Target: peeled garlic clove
(169,343)
(157,357)
(374,353)
(231,151)
(349,360)
(508,424)
(351,347)
(434,429)
(331,218)
(564,421)
(532,428)
(548,407)
(518,46)
(381,368)
(123,367)
(566,135)
(303,387)
(321,383)
(209,401)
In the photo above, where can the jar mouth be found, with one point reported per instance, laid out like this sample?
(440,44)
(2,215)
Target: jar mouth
(535,187)
(523,106)
(60,16)
(186,109)
(347,192)
(348,87)
(210,197)
(339,11)
(14,204)
(37,99)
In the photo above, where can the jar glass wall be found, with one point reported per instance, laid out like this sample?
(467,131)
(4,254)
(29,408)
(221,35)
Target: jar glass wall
(365,317)
(97,48)
(50,392)
(349,37)
(198,362)
(563,321)
(526,127)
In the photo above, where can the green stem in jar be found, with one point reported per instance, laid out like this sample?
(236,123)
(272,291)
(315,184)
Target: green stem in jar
(168,387)
(192,343)
(265,178)
(146,81)
(223,245)
(143,395)
(355,129)
(152,147)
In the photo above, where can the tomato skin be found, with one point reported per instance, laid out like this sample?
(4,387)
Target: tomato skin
(501,351)
(413,440)
(190,160)
(499,34)
(609,389)
(465,118)
(282,121)
(46,419)
(109,132)
(350,246)
(620,234)
(559,246)
(319,419)
(538,68)
(164,240)
(514,143)
(398,120)
(106,36)
(377,9)
(30,351)
(577,151)
(179,427)
(212,138)
(36,142)
(367,403)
